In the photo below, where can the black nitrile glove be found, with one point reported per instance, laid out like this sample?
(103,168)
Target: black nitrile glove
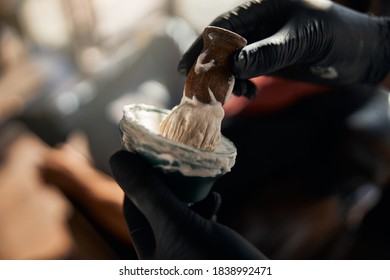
(308,40)
(162,227)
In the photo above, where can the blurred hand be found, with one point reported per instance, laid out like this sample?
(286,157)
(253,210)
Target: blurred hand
(162,227)
(308,40)
(33,215)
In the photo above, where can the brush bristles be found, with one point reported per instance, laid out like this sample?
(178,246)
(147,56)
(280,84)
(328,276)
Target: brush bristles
(195,125)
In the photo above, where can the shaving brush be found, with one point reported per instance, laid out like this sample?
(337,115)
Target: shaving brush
(196,121)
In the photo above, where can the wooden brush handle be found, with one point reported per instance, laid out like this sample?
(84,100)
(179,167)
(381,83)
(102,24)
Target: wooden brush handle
(210,74)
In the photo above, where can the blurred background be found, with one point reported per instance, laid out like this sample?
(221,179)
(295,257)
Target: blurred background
(66,69)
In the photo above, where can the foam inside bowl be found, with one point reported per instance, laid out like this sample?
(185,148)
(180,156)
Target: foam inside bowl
(139,127)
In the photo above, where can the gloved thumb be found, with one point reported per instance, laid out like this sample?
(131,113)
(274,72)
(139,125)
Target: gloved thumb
(146,189)
(135,176)
(268,55)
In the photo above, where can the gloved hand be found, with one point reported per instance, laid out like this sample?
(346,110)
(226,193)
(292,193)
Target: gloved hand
(162,227)
(308,40)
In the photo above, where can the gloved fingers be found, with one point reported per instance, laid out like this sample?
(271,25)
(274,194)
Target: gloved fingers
(268,56)
(140,231)
(243,87)
(254,20)
(208,207)
(143,185)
